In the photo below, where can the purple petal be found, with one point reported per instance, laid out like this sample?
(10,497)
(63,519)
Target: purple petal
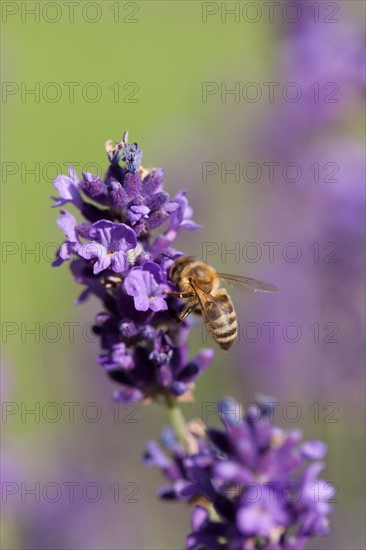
(155,456)
(178,388)
(229,411)
(101,264)
(314,449)
(136,213)
(67,224)
(168,437)
(164,375)
(128,329)
(84,229)
(82,298)
(119,262)
(101,231)
(142,303)
(185,490)
(310,475)
(252,521)
(67,188)
(65,251)
(62,185)
(117,195)
(244,444)
(172,206)
(156,201)
(181,216)
(189,373)
(203,359)
(155,271)
(157,218)
(132,184)
(121,357)
(114,236)
(158,304)
(134,282)
(228,470)
(191,225)
(152,182)
(143,285)
(128,395)
(94,187)
(199,517)
(91,250)
(123,238)
(141,209)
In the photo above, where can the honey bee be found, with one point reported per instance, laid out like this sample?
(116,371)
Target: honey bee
(198,283)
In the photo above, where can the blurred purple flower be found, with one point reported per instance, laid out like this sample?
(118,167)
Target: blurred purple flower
(322,214)
(257,477)
(323,63)
(166,368)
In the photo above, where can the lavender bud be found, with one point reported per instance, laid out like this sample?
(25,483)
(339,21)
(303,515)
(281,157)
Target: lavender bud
(117,195)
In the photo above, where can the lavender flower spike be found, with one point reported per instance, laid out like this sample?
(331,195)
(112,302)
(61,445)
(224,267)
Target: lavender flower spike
(258,478)
(114,254)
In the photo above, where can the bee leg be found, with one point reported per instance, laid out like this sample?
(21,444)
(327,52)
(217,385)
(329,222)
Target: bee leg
(180,294)
(191,307)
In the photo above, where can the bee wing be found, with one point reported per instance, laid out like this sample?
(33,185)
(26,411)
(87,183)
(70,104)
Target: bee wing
(211,308)
(202,295)
(247,284)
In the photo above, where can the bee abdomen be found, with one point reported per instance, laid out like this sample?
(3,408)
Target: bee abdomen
(222,321)
(225,336)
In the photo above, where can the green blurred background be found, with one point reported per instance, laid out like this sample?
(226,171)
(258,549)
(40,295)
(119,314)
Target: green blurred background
(167,52)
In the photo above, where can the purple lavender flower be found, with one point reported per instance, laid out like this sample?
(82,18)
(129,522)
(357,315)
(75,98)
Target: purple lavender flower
(95,188)
(109,247)
(322,209)
(113,253)
(258,479)
(68,189)
(326,64)
(117,195)
(146,284)
(160,368)
(67,224)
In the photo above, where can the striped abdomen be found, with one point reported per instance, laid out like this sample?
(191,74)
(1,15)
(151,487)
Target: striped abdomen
(221,319)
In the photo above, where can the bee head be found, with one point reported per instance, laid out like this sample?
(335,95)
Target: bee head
(177,267)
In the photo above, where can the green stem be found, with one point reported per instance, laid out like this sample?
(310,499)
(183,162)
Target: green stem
(180,427)
(176,418)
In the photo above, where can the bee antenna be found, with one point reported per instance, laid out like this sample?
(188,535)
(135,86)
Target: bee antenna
(170,258)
